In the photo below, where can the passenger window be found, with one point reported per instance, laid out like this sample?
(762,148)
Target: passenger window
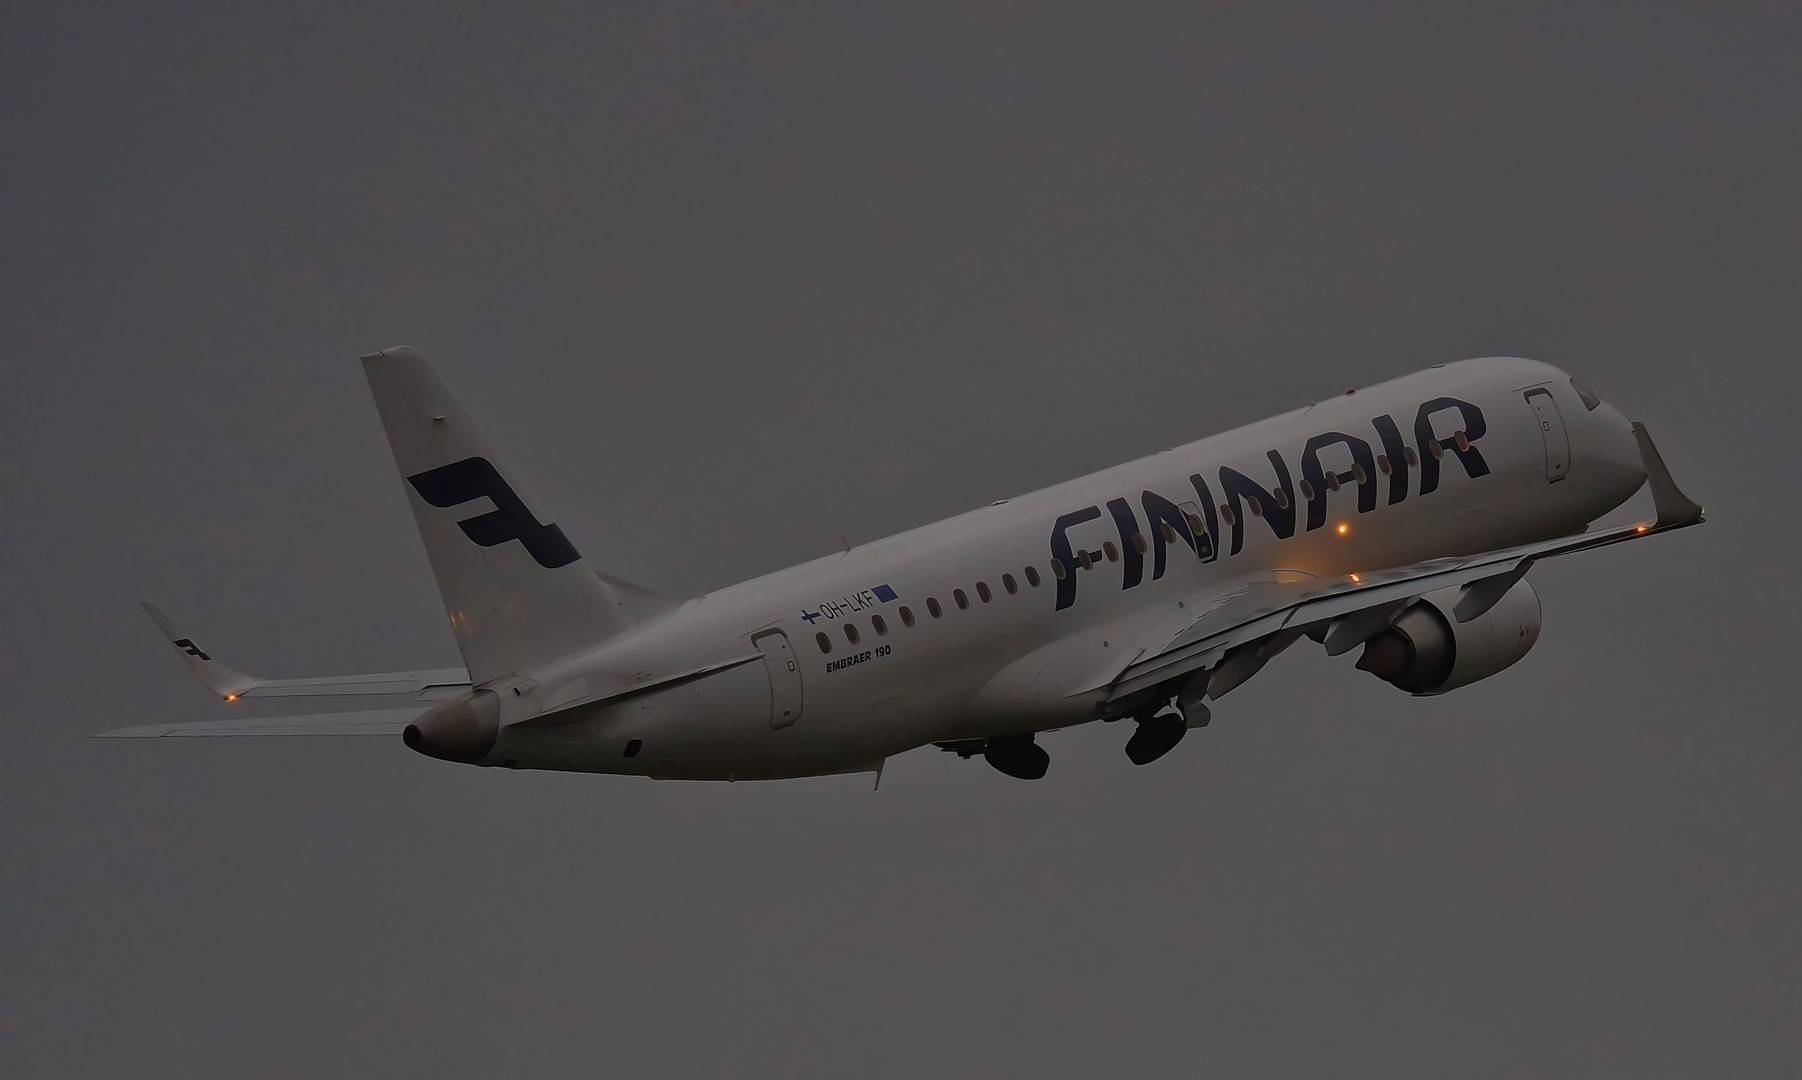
(1359,474)
(1032,574)
(878,625)
(1383,465)
(1282,499)
(1410,456)
(851,633)
(1437,450)
(1256,506)
(1057,571)
(825,642)
(1332,481)
(1307,490)
(1169,533)
(1139,544)
(1112,552)
(963,601)
(932,607)
(1227,515)
(1008,583)
(982,590)
(907,616)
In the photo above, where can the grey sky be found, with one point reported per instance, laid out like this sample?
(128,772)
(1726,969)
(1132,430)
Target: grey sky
(730,282)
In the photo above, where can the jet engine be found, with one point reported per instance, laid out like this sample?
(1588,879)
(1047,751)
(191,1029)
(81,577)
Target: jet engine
(1426,650)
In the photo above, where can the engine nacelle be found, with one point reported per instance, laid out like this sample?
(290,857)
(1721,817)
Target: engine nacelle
(1426,650)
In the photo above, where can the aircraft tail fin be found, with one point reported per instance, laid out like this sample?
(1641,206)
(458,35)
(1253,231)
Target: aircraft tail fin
(517,592)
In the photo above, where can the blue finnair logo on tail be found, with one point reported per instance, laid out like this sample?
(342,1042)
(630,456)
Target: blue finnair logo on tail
(474,478)
(848,605)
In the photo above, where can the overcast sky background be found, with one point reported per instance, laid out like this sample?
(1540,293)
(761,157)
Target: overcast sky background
(729,282)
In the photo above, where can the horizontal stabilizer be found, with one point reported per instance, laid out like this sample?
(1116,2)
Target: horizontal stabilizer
(441,684)
(378,722)
(233,685)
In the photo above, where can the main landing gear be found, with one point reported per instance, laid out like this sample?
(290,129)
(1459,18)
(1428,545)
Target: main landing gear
(1160,726)
(1156,736)
(1018,756)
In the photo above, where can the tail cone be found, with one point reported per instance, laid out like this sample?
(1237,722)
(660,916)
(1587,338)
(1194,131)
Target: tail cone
(464,730)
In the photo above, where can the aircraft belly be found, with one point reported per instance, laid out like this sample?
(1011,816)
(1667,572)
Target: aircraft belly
(719,728)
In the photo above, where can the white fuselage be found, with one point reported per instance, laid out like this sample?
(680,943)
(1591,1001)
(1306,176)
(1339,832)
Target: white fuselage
(1039,657)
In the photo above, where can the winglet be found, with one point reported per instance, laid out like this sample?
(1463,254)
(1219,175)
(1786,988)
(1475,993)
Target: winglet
(1674,508)
(220,679)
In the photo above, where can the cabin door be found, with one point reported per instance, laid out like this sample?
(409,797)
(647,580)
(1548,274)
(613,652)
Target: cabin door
(785,677)
(1551,429)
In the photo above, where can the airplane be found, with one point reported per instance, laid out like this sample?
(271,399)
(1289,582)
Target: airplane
(1400,520)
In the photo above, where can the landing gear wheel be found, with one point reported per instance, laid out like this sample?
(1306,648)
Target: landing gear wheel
(1017,756)
(1157,736)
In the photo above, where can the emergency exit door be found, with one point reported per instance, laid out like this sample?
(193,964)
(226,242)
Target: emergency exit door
(785,677)
(1551,429)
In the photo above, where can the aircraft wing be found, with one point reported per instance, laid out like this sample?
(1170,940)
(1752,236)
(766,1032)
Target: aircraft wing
(232,685)
(378,722)
(1347,610)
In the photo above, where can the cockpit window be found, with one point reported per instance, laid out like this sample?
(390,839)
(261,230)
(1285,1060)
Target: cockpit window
(1590,401)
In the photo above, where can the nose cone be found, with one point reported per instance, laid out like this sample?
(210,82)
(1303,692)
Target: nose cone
(462,730)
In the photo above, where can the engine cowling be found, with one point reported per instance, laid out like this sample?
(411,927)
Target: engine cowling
(1428,651)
